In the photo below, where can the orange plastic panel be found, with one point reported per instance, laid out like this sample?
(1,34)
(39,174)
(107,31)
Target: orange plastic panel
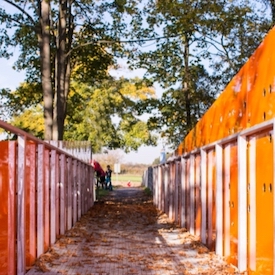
(264,205)
(247,100)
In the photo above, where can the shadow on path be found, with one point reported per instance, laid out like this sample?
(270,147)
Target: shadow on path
(124,234)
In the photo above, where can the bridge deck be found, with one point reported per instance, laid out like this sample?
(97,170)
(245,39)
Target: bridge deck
(124,233)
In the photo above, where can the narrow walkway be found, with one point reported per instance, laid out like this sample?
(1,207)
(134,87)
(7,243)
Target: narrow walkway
(124,234)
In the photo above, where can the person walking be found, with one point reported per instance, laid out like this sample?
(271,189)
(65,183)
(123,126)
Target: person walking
(108,179)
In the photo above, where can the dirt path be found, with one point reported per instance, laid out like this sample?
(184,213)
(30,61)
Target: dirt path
(125,234)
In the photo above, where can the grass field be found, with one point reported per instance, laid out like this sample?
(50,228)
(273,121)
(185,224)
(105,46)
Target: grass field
(126,178)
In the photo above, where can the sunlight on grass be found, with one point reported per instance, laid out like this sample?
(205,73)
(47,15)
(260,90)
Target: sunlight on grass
(127,177)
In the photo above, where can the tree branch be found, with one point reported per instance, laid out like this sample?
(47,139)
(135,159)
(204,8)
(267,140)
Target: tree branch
(121,41)
(20,9)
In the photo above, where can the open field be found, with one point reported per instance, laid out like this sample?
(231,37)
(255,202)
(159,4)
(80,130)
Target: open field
(127,177)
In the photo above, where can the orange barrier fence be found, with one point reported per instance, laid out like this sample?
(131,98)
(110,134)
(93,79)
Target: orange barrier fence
(220,184)
(43,192)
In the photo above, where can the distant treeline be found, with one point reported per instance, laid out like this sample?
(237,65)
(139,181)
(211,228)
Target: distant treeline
(113,157)
(136,169)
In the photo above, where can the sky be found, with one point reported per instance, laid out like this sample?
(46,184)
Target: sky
(11,79)
(145,154)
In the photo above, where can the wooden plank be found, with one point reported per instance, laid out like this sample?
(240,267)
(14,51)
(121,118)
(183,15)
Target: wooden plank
(227,181)
(162,187)
(160,179)
(187,191)
(154,191)
(92,185)
(159,182)
(53,164)
(171,190)
(197,191)
(166,189)
(31,202)
(86,189)
(21,207)
(57,195)
(46,199)
(177,193)
(219,200)
(203,197)
(83,189)
(79,191)
(11,207)
(40,199)
(192,194)
(62,184)
(70,193)
(210,166)
(74,191)
(183,193)
(242,204)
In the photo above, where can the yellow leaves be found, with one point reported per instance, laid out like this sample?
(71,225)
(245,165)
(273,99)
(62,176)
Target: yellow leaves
(47,258)
(134,91)
(202,250)
(104,240)
(31,120)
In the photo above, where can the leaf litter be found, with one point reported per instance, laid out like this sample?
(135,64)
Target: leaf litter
(125,234)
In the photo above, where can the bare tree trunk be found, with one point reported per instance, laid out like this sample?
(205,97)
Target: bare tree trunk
(186,84)
(55,127)
(60,106)
(45,54)
(70,29)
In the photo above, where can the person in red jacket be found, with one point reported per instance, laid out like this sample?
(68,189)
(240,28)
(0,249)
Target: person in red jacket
(100,174)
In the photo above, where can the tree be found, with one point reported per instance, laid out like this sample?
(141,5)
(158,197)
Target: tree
(170,111)
(106,114)
(72,37)
(236,35)
(269,4)
(103,114)
(196,42)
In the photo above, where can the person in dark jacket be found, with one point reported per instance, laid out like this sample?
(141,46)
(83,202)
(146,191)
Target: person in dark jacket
(108,180)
